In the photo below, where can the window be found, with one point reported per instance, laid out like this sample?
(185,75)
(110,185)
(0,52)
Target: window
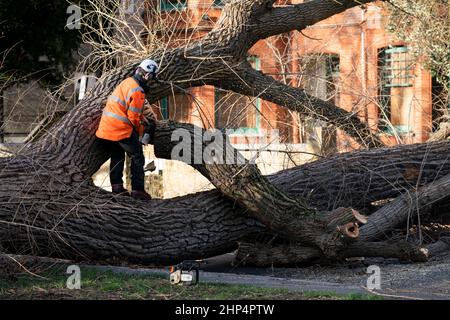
(164,107)
(218,3)
(167,5)
(320,76)
(176,107)
(395,93)
(396,67)
(238,112)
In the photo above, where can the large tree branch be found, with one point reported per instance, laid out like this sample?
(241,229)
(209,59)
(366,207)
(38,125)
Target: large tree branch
(356,179)
(245,22)
(366,175)
(241,181)
(406,207)
(264,255)
(75,209)
(251,82)
(281,213)
(292,218)
(297,17)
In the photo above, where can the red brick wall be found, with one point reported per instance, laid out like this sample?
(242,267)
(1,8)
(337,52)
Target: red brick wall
(356,36)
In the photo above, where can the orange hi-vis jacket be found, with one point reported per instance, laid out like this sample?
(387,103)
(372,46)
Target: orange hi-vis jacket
(123,112)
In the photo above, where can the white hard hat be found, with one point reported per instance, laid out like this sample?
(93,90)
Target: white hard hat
(149,66)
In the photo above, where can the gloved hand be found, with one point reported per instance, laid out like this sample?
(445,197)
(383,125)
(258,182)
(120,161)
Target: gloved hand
(145,139)
(149,132)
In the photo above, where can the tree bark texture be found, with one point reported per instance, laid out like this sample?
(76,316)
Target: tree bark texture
(49,206)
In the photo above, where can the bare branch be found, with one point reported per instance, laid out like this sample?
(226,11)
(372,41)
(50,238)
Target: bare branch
(287,18)
(255,83)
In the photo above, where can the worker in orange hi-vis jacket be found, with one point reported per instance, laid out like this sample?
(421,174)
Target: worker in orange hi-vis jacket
(122,125)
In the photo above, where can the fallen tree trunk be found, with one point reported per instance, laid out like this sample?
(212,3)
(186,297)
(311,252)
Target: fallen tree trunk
(359,178)
(407,171)
(406,207)
(57,220)
(241,181)
(87,223)
(31,230)
(264,255)
(295,254)
(50,207)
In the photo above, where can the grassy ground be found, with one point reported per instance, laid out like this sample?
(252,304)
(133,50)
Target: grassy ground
(107,285)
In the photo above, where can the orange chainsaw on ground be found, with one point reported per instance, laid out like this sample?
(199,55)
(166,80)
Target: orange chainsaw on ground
(185,273)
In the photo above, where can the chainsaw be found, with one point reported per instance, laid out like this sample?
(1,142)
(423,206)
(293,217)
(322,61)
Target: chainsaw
(185,273)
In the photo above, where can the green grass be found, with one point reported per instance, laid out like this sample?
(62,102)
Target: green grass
(97,284)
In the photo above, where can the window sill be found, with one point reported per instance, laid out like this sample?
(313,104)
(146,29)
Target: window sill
(400,130)
(247,132)
(170,8)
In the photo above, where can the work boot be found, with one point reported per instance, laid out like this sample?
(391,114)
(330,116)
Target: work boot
(119,190)
(140,195)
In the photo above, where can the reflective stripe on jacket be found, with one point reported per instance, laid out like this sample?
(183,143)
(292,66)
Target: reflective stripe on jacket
(123,112)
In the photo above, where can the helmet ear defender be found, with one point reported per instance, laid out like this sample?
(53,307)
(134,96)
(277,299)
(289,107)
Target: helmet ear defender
(153,76)
(151,68)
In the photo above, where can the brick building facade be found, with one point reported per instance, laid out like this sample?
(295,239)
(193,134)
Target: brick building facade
(349,59)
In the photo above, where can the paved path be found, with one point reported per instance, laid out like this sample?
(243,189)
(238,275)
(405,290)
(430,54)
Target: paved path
(248,279)
(429,280)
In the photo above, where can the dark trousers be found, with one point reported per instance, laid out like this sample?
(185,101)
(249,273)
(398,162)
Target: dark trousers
(133,148)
